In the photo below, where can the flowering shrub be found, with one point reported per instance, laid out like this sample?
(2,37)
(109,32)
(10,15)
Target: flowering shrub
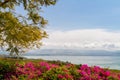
(93,73)
(6,70)
(73,69)
(50,71)
(28,70)
(58,73)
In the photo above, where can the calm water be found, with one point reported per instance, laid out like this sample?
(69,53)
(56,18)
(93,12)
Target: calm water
(112,62)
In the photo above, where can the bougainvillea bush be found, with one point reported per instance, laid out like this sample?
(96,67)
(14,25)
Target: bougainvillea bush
(43,70)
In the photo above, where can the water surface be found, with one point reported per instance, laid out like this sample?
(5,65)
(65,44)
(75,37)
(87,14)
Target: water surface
(112,62)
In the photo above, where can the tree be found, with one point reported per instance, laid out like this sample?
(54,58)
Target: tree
(20,32)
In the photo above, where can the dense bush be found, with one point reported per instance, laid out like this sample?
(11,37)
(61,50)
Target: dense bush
(43,70)
(6,69)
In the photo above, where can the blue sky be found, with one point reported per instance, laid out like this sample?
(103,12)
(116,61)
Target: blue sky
(82,24)
(83,14)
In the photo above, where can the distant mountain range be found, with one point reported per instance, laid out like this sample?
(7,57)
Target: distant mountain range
(72,52)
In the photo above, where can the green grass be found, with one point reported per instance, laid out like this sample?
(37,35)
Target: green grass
(115,70)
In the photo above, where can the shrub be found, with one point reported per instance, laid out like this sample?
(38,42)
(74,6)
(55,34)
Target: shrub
(43,70)
(59,73)
(6,69)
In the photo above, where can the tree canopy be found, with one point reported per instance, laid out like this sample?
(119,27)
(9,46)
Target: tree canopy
(19,32)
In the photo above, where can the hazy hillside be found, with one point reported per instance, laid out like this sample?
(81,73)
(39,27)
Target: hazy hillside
(72,52)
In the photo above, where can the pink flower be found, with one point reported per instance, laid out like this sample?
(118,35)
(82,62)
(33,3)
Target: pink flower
(60,76)
(83,73)
(45,64)
(107,73)
(68,76)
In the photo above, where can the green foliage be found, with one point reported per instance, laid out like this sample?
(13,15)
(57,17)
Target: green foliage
(6,68)
(17,36)
(112,78)
(11,70)
(59,73)
(21,32)
(60,63)
(73,70)
(32,8)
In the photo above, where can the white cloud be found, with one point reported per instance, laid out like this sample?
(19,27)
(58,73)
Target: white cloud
(98,39)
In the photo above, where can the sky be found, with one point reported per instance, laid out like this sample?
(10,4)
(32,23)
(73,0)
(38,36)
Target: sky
(84,14)
(83,24)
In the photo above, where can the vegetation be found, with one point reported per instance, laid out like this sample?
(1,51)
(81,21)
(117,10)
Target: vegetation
(19,32)
(28,69)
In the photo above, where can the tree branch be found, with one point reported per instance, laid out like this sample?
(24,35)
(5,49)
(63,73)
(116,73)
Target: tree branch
(2,3)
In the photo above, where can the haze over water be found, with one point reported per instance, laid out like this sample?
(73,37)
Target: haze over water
(101,58)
